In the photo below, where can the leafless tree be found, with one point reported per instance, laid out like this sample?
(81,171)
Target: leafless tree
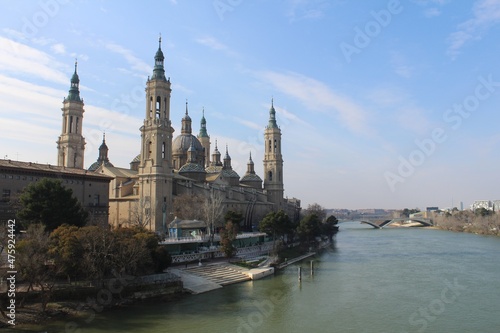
(212,209)
(187,207)
(141,213)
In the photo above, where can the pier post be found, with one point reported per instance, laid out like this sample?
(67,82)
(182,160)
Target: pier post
(312,267)
(300,273)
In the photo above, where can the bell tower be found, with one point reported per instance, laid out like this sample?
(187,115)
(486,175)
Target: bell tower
(71,143)
(155,167)
(273,161)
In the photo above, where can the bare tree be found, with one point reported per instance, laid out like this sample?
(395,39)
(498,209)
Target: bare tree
(141,213)
(212,209)
(316,209)
(187,206)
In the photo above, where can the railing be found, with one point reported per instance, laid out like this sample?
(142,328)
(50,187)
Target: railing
(215,252)
(206,238)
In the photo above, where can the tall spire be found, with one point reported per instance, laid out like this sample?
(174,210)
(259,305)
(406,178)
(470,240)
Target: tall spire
(227,160)
(272,116)
(203,126)
(159,70)
(186,122)
(74,90)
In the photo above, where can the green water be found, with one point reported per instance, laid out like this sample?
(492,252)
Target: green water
(389,280)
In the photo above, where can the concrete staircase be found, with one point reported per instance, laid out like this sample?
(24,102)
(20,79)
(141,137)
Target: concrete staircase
(220,273)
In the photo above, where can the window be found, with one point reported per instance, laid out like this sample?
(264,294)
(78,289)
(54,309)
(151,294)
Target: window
(151,107)
(163,150)
(96,199)
(275,145)
(269,148)
(70,124)
(6,195)
(76,127)
(158,106)
(270,176)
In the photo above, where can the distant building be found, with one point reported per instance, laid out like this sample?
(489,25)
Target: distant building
(486,204)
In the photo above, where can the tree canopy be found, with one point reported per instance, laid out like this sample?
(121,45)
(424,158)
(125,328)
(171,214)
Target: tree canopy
(49,203)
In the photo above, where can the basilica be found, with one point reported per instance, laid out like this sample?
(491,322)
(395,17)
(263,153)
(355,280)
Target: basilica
(169,166)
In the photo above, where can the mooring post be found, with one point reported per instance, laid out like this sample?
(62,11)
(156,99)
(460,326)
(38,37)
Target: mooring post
(300,273)
(312,267)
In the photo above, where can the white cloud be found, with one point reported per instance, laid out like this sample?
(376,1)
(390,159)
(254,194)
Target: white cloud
(432,12)
(58,48)
(19,58)
(485,14)
(137,64)
(317,96)
(306,9)
(215,44)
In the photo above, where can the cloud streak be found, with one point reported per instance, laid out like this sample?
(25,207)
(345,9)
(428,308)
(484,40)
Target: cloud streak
(485,14)
(317,96)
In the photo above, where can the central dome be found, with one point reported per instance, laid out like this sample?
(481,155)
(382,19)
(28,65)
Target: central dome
(180,147)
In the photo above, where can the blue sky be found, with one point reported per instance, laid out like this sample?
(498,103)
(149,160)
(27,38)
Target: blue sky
(382,104)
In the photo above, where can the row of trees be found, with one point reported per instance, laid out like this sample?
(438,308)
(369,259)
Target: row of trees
(85,253)
(312,225)
(481,221)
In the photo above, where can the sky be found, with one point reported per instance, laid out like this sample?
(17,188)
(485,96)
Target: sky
(382,104)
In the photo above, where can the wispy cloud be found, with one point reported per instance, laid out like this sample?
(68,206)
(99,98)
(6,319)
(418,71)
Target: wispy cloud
(432,12)
(58,48)
(215,44)
(306,9)
(136,64)
(485,14)
(399,63)
(19,58)
(317,96)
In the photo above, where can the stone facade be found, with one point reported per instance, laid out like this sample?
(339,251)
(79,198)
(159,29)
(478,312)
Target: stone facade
(168,167)
(91,189)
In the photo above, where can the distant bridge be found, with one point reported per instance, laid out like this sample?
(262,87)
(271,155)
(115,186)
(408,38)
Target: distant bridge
(385,223)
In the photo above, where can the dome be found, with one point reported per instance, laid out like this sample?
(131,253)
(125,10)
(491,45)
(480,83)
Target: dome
(97,164)
(136,159)
(182,143)
(191,167)
(251,177)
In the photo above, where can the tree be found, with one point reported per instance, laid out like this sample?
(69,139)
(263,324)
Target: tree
(212,212)
(49,203)
(329,228)
(277,224)
(309,228)
(227,235)
(232,216)
(316,209)
(34,262)
(187,207)
(67,251)
(483,212)
(407,212)
(141,213)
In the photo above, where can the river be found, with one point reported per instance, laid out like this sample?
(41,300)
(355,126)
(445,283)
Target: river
(373,280)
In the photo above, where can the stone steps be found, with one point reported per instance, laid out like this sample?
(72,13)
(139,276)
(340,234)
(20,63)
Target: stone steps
(220,274)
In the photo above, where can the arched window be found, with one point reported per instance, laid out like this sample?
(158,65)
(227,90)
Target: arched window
(269,148)
(149,149)
(150,106)
(77,124)
(71,124)
(158,106)
(270,176)
(163,150)
(275,145)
